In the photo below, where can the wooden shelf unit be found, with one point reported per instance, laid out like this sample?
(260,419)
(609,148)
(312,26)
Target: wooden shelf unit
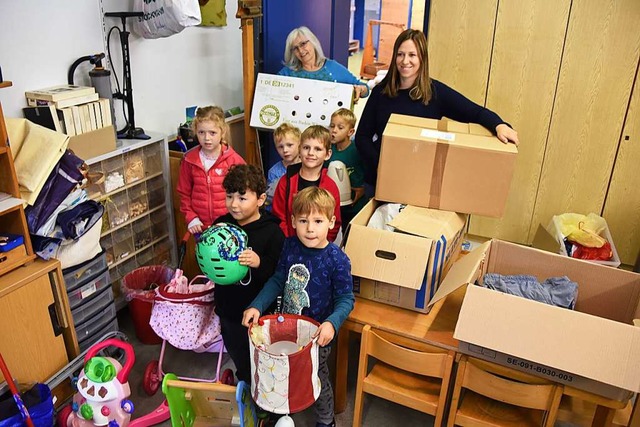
(12,219)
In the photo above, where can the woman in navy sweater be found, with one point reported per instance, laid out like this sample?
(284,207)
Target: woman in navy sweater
(408,89)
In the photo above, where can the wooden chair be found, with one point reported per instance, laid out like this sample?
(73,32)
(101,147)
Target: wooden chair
(416,379)
(486,394)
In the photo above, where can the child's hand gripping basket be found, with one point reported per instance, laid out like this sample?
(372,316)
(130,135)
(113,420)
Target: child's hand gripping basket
(284,363)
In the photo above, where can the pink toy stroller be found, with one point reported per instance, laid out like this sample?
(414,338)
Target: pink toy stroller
(183,314)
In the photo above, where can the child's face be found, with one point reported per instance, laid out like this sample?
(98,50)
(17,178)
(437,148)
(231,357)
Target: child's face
(287,148)
(209,136)
(245,208)
(341,131)
(313,154)
(312,229)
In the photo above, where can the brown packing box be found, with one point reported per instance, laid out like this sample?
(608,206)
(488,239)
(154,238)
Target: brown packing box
(443,164)
(594,347)
(403,268)
(94,143)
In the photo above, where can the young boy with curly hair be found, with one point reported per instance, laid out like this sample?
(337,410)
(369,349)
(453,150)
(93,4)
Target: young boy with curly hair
(245,195)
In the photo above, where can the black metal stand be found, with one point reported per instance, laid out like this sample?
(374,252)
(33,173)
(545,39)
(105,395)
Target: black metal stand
(130,131)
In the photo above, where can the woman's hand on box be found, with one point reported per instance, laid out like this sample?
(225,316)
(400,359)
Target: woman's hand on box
(507,134)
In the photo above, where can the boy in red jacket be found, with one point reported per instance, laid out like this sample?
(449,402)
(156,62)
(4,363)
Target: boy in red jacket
(203,168)
(315,149)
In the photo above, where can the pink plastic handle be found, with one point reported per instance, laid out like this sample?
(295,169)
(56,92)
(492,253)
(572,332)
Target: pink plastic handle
(130,356)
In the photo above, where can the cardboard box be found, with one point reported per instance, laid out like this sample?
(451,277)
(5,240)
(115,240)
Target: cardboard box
(594,347)
(443,164)
(554,230)
(300,102)
(94,143)
(403,268)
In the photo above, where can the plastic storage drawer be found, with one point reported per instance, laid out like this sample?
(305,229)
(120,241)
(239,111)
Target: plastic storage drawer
(84,291)
(93,325)
(88,270)
(96,304)
(112,326)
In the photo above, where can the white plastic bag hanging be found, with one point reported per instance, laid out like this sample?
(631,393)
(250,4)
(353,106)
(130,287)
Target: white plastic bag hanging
(164,18)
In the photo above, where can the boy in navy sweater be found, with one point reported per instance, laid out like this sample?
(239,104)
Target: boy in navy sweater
(314,278)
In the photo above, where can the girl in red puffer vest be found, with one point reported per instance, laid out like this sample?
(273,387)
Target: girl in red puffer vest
(203,168)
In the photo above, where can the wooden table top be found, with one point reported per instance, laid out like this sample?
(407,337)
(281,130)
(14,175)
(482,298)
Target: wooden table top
(434,328)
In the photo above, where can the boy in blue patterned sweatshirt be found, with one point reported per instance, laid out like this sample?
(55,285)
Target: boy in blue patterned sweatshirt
(314,277)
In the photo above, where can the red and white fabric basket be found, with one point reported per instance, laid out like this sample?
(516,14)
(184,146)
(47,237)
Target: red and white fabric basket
(284,363)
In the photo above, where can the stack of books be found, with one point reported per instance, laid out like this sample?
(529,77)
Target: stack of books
(69,109)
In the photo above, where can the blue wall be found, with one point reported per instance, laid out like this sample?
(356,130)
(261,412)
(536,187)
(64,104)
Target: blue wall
(329,21)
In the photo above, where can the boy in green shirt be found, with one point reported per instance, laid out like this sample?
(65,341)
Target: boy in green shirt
(342,128)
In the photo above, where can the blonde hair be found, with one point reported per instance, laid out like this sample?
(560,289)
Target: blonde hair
(421,89)
(314,199)
(290,58)
(347,115)
(214,114)
(286,129)
(317,132)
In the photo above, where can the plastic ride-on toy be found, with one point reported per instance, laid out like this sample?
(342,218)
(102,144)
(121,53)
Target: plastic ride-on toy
(103,391)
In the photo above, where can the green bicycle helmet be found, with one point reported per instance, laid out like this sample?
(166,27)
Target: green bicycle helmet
(217,253)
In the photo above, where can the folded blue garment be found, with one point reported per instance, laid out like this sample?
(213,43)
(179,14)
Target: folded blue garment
(558,291)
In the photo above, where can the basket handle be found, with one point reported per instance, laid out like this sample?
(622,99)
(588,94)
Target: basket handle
(123,375)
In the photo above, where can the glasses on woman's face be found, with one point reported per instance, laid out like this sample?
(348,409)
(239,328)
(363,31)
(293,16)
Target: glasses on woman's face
(299,46)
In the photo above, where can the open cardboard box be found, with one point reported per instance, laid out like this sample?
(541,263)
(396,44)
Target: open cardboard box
(300,102)
(594,347)
(444,164)
(403,268)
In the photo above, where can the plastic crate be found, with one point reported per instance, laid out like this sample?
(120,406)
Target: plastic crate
(89,308)
(127,267)
(90,340)
(142,233)
(84,291)
(152,159)
(107,244)
(85,271)
(159,226)
(118,209)
(122,242)
(145,257)
(138,202)
(156,190)
(134,166)
(113,169)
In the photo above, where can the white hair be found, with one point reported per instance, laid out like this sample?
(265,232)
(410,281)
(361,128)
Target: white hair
(290,59)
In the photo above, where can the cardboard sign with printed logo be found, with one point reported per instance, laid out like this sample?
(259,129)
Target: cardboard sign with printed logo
(300,102)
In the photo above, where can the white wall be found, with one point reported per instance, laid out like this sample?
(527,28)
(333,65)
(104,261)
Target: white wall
(199,66)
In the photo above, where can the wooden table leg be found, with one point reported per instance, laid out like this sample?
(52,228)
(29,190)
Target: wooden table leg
(603,417)
(342,365)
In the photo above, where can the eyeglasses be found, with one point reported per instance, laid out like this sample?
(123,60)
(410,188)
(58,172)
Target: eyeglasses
(299,46)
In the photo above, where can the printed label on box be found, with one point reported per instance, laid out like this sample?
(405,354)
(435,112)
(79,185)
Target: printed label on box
(547,372)
(436,134)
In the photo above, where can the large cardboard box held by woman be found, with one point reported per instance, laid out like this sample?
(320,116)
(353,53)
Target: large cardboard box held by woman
(443,164)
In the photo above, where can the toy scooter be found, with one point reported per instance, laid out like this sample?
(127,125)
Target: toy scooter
(103,391)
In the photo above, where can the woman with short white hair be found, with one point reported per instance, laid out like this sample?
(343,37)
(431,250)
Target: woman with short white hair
(304,58)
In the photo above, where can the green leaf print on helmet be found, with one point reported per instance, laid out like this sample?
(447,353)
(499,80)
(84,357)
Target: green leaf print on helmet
(217,253)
